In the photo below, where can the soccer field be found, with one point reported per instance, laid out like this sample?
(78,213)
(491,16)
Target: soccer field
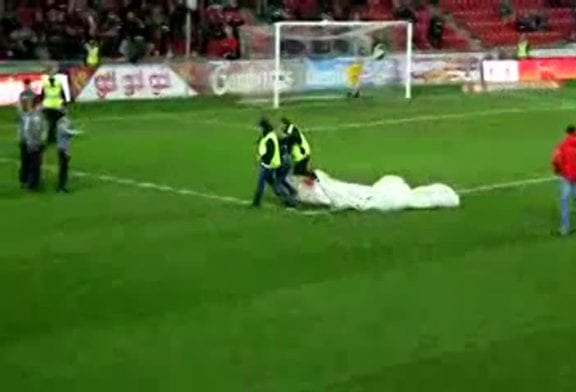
(155,275)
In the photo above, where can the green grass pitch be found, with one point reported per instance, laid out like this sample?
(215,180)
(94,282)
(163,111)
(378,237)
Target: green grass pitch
(154,276)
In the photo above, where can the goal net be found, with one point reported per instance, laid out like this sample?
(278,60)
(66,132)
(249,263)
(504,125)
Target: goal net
(318,60)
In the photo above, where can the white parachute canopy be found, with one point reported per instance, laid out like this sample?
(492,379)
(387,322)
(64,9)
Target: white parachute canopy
(390,193)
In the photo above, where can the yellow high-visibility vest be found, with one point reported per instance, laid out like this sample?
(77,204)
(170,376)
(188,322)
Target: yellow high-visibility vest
(299,151)
(276,161)
(52,96)
(93,56)
(523,49)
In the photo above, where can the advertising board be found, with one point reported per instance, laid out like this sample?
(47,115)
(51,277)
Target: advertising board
(242,77)
(127,81)
(548,69)
(256,77)
(249,77)
(445,68)
(435,69)
(331,73)
(11,85)
(501,71)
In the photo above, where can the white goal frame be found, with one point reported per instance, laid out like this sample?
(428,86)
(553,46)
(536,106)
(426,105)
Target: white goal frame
(277,48)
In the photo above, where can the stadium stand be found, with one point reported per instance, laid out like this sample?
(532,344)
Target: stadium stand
(421,16)
(545,23)
(58,30)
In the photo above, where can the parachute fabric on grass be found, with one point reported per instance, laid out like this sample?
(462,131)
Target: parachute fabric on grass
(390,193)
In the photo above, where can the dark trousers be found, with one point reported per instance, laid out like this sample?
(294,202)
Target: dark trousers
(301,168)
(272,178)
(282,179)
(52,116)
(63,164)
(23,172)
(34,169)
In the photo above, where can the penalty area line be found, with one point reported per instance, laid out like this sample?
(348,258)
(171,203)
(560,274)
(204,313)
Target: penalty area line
(439,117)
(505,185)
(132,183)
(196,120)
(160,188)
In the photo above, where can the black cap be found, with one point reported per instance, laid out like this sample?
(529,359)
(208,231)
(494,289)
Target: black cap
(265,125)
(27,82)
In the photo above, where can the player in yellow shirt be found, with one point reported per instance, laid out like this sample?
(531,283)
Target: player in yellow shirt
(354,73)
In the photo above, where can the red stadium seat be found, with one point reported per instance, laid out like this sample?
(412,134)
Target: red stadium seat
(560,12)
(483,19)
(456,43)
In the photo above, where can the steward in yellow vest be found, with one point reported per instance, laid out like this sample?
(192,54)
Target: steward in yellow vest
(523,49)
(299,148)
(53,104)
(92,54)
(269,157)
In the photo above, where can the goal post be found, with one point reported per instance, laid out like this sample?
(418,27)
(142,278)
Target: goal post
(359,38)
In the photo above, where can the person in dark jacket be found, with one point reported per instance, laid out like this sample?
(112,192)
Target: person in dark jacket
(436,31)
(285,168)
(33,131)
(270,159)
(299,148)
(65,132)
(25,104)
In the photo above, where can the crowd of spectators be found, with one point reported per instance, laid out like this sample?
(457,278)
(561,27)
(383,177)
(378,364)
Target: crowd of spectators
(133,29)
(219,33)
(279,10)
(60,30)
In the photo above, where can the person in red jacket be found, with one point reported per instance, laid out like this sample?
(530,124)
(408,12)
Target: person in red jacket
(564,163)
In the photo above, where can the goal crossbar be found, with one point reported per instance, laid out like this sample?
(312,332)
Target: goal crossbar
(342,23)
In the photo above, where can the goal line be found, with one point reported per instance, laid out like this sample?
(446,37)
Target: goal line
(306,97)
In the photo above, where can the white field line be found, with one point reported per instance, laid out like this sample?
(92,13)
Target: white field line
(305,98)
(335,127)
(237,201)
(226,108)
(152,186)
(368,124)
(440,117)
(506,185)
